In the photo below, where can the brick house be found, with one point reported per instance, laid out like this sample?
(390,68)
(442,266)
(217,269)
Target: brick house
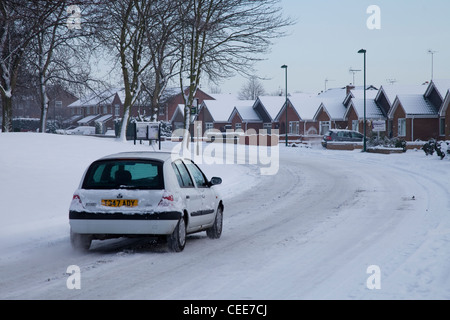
(244,117)
(436,94)
(444,118)
(414,117)
(268,108)
(330,115)
(220,114)
(355,115)
(387,94)
(100,110)
(174,98)
(300,112)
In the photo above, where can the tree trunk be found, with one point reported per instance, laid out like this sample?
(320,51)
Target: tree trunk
(7,113)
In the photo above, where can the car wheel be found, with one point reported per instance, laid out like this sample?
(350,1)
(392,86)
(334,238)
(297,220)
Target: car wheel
(177,240)
(216,230)
(80,242)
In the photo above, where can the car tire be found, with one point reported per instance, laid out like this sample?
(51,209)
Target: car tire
(177,240)
(216,230)
(80,242)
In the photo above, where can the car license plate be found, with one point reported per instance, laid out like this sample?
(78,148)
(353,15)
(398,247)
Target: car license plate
(116,203)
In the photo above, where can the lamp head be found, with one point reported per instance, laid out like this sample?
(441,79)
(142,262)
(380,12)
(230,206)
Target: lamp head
(284,66)
(362,51)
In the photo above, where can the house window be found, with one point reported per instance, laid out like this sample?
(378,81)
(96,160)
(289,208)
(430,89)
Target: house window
(209,125)
(58,104)
(355,125)
(268,127)
(105,109)
(294,127)
(238,126)
(324,127)
(116,110)
(442,127)
(401,127)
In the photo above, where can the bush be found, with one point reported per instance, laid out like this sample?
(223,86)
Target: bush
(440,147)
(387,143)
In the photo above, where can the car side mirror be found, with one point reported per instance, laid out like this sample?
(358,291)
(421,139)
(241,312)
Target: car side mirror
(215,181)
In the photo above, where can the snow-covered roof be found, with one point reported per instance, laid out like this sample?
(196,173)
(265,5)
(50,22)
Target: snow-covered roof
(88,119)
(442,86)
(179,109)
(391,91)
(222,108)
(372,109)
(95,99)
(414,104)
(104,118)
(272,104)
(334,93)
(335,108)
(246,112)
(305,105)
(359,93)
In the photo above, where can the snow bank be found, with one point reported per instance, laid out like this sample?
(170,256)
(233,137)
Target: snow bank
(40,172)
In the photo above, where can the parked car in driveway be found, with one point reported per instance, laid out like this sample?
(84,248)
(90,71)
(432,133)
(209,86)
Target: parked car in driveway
(81,130)
(341,135)
(144,194)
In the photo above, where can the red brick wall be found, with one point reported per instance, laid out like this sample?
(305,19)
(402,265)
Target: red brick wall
(237,119)
(178,99)
(322,116)
(292,116)
(417,128)
(351,117)
(399,114)
(447,124)
(425,129)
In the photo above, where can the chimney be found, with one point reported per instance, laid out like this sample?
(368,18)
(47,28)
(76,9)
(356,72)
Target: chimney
(349,88)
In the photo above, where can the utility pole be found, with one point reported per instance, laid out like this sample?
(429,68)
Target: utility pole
(353,71)
(432,62)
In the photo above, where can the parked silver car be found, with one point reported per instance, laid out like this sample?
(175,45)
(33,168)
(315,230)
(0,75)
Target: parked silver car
(341,135)
(142,194)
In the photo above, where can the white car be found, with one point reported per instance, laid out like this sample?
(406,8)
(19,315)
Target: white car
(144,194)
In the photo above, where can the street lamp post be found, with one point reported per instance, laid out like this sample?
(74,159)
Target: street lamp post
(285,67)
(364,143)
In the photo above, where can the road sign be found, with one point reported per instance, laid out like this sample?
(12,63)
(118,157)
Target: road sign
(379,125)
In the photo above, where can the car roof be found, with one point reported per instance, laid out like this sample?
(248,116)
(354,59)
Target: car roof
(148,155)
(344,130)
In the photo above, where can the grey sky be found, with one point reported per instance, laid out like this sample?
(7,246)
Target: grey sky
(328,34)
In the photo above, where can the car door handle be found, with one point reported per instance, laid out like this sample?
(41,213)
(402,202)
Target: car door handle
(203,196)
(188,197)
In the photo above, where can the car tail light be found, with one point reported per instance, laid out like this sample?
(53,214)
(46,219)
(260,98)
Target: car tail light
(328,138)
(76,198)
(166,200)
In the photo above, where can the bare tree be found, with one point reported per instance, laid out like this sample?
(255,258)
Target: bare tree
(59,52)
(124,32)
(223,37)
(160,31)
(20,22)
(252,89)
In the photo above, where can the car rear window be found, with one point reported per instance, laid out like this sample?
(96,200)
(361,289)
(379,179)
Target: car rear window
(124,174)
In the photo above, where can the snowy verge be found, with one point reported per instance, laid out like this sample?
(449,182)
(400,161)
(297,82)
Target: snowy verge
(40,172)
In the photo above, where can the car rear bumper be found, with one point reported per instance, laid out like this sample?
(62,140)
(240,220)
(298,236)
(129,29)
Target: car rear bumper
(162,223)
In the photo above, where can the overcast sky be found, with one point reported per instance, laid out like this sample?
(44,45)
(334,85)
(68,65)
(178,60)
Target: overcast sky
(324,42)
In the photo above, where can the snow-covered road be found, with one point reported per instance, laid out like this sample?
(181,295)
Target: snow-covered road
(309,232)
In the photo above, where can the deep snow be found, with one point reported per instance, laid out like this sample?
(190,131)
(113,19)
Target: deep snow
(315,230)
